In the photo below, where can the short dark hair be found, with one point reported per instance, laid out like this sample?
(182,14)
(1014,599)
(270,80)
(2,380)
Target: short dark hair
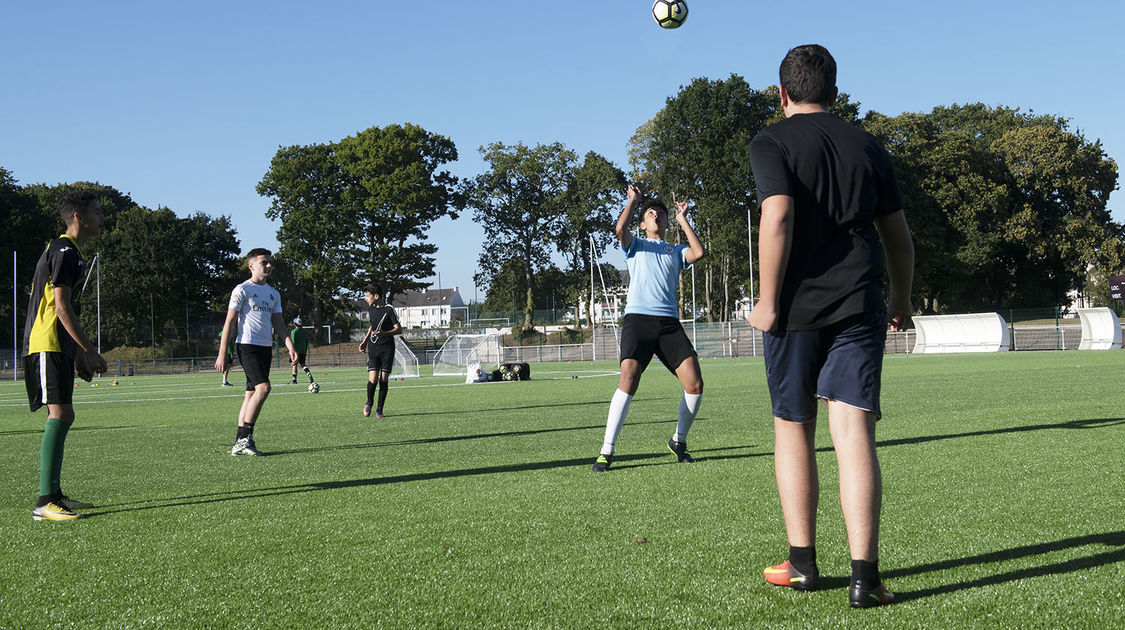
(652,203)
(808,74)
(76,201)
(373,289)
(258,251)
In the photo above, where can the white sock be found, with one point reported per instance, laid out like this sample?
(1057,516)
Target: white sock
(618,409)
(689,406)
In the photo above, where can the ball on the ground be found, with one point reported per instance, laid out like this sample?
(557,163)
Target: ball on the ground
(669,13)
(314,388)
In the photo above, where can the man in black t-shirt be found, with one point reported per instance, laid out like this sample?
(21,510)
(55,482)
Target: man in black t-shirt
(379,344)
(827,194)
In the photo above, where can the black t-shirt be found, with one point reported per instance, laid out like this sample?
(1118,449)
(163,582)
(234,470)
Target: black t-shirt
(382,318)
(840,178)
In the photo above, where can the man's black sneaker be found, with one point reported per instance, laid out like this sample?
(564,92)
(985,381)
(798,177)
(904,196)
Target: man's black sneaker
(858,597)
(679,449)
(601,464)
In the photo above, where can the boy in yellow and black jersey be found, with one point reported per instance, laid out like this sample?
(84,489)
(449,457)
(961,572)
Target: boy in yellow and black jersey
(56,346)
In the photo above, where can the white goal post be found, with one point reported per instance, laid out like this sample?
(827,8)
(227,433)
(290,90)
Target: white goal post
(406,363)
(460,351)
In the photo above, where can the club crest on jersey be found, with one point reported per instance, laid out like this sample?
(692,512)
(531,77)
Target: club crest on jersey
(667,248)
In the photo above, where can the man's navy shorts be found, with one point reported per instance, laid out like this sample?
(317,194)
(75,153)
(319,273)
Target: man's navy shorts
(842,361)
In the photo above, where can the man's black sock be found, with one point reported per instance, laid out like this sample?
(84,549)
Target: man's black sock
(866,574)
(803,559)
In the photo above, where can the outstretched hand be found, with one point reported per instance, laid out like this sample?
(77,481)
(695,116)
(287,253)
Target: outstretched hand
(681,210)
(633,192)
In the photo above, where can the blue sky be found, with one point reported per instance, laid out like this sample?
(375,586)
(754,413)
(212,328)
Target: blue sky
(184,104)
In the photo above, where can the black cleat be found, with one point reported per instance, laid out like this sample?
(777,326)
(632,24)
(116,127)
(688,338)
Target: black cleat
(679,449)
(858,597)
(601,464)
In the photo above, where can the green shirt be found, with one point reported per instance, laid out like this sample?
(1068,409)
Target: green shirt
(300,338)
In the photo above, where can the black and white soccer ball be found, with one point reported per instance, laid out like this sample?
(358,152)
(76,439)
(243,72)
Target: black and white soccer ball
(669,13)
(314,388)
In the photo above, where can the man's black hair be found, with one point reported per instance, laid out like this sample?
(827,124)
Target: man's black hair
(76,201)
(808,74)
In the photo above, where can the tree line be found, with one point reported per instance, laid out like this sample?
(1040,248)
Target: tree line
(1008,208)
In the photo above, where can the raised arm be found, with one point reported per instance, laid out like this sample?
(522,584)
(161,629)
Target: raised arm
(626,219)
(775,237)
(898,246)
(696,252)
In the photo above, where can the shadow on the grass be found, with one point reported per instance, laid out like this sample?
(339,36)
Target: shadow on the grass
(598,403)
(438,440)
(39,431)
(237,495)
(1110,539)
(1094,423)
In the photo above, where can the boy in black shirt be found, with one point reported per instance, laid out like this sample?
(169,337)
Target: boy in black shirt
(56,347)
(379,344)
(827,194)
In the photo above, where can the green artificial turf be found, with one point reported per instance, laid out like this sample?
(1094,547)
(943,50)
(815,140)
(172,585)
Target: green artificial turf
(473,506)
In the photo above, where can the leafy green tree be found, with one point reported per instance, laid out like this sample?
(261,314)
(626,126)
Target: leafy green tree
(521,202)
(307,189)
(596,194)
(1007,209)
(30,229)
(358,210)
(395,192)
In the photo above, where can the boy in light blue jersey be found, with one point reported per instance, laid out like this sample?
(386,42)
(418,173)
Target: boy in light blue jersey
(651,323)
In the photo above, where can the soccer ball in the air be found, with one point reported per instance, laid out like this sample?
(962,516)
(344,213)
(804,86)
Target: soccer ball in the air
(314,388)
(669,13)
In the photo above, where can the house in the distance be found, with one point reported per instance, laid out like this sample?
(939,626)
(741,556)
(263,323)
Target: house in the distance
(430,308)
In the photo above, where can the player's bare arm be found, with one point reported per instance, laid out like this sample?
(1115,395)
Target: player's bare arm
(224,341)
(279,325)
(624,234)
(898,247)
(696,252)
(89,360)
(775,237)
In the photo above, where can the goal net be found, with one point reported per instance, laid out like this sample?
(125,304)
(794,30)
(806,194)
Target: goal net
(460,351)
(406,363)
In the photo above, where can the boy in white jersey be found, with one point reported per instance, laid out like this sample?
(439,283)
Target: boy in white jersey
(652,324)
(257,307)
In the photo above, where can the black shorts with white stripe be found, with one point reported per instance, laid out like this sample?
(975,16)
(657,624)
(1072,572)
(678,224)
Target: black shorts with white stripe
(49,377)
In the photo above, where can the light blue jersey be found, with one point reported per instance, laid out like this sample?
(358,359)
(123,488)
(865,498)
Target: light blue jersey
(654,275)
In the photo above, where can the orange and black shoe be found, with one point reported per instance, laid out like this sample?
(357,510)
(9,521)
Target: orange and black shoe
(863,598)
(785,575)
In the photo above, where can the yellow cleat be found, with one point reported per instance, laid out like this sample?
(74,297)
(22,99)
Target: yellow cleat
(53,512)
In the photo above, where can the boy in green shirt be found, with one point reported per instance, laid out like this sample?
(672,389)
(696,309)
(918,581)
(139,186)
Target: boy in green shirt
(300,338)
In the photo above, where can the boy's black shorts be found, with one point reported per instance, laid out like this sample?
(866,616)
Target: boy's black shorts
(645,335)
(49,378)
(380,358)
(255,362)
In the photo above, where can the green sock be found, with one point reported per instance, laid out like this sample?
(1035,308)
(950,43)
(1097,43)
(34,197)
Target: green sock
(51,455)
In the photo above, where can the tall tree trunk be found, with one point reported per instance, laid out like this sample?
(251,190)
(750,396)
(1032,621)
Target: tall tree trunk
(529,304)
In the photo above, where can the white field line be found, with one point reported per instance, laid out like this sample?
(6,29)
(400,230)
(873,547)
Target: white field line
(239,392)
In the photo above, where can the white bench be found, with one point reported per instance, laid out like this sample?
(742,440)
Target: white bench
(1101,329)
(970,332)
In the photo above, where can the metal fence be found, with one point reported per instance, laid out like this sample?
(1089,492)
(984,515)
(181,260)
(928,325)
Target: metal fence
(714,340)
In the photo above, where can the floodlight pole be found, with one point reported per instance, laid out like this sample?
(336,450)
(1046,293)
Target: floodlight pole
(593,323)
(15,306)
